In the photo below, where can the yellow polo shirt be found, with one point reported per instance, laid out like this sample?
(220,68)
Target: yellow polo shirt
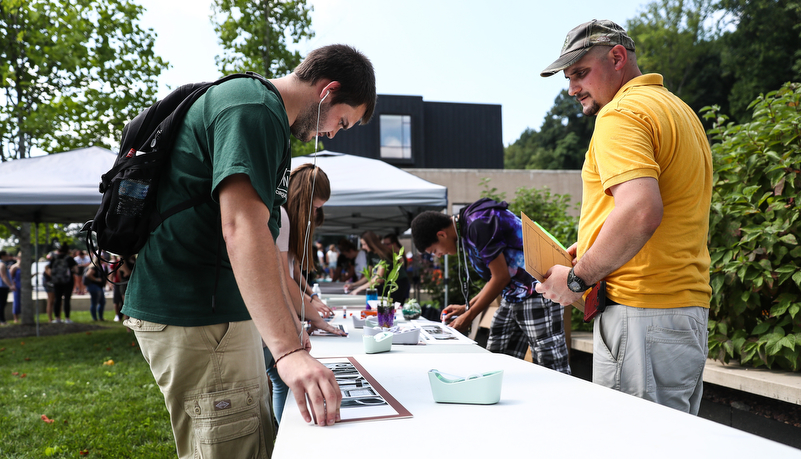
(646,131)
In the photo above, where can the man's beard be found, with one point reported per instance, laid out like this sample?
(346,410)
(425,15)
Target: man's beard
(305,126)
(590,110)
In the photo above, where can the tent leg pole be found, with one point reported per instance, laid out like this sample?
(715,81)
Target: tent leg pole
(36,283)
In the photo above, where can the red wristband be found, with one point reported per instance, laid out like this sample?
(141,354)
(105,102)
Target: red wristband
(275,365)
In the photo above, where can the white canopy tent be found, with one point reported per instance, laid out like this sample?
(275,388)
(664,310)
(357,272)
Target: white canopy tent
(368,194)
(58,188)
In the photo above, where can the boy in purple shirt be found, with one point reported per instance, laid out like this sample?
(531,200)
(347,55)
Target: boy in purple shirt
(491,237)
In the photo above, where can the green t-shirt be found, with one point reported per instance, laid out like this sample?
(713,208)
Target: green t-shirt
(238,127)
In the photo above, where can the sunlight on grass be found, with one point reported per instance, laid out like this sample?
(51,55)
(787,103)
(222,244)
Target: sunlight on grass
(98,409)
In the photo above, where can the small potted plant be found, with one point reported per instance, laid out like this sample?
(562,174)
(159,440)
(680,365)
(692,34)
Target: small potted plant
(371,292)
(386,308)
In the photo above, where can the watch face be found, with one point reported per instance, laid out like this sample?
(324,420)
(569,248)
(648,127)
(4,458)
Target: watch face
(574,283)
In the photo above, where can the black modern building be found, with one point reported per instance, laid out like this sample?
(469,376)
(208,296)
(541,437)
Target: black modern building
(408,132)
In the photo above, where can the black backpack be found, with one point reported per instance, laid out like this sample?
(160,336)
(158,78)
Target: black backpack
(128,213)
(60,272)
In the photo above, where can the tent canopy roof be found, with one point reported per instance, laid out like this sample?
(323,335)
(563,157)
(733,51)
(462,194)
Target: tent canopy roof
(58,188)
(368,194)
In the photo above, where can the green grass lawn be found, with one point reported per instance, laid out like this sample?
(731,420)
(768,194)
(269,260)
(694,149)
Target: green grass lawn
(98,410)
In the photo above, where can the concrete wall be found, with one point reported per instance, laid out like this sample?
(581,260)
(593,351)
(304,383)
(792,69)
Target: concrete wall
(464,184)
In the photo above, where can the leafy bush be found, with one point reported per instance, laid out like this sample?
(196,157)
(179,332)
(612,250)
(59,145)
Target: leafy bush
(754,223)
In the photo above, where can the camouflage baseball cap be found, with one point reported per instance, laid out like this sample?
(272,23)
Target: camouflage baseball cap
(584,37)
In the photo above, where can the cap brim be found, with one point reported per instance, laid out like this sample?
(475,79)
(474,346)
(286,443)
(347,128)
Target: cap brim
(564,61)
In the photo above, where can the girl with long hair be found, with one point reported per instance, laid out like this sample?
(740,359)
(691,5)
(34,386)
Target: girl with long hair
(309,189)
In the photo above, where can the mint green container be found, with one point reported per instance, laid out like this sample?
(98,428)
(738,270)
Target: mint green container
(478,389)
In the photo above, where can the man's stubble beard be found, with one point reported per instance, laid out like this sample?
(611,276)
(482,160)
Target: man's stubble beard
(305,126)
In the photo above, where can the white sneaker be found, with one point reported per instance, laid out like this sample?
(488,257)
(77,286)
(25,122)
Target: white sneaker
(55,321)
(116,318)
(67,321)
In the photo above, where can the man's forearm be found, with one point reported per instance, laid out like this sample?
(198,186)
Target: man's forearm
(635,218)
(485,297)
(260,277)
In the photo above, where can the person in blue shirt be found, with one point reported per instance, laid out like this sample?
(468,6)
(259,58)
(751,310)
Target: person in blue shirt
(491,237)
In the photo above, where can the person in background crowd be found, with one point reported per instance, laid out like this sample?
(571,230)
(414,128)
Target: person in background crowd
(332,255)
(62,270)
(647,181)
(95,278)
(6,285)
(351,261)
(15,272)
(322,259)
(83,261)
(47,282)
(376,252)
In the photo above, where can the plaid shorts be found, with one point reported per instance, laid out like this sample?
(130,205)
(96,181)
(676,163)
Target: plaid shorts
(536,323)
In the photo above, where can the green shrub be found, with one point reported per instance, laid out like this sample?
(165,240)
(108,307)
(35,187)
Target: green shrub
(754,229)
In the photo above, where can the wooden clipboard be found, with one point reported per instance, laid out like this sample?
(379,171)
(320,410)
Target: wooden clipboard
(542,251)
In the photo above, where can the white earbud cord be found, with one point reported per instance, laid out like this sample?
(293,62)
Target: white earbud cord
(307,233)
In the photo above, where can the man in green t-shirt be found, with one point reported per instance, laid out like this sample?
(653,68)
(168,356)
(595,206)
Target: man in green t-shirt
(207,284)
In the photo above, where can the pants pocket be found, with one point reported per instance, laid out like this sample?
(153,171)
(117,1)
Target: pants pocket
(227,421)
(605,364)
(675,360)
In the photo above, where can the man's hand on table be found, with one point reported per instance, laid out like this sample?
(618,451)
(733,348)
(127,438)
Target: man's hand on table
(310,380)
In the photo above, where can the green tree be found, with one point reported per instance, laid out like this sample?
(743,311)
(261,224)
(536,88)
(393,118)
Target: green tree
(762,52)
(754,227)
(561,142)
(254,35)
(677,39)
(72,72)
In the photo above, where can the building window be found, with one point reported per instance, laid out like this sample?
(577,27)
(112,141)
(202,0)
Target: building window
(396,137)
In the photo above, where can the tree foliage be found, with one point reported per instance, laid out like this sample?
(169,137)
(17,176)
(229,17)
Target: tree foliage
(762,52)
(710,52)
(72,73)
(255,35)
(754,230)
(678,39)
(560,143)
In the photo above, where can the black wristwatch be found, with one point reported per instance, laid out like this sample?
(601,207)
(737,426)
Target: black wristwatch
(575,284)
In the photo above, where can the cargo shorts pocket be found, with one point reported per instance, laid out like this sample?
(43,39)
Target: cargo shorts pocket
(227,421)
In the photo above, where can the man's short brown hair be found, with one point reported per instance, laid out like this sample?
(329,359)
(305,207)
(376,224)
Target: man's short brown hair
(349,67)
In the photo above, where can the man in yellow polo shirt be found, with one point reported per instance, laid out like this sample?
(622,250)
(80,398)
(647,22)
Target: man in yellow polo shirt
(647,180)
